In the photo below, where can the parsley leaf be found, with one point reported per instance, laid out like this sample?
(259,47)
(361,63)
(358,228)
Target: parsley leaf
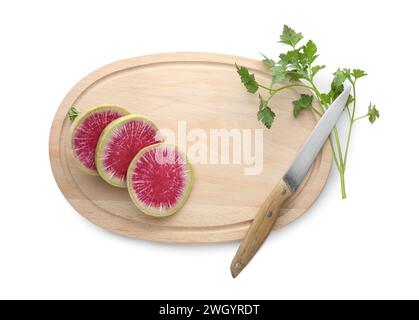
(248,79)
(325,99)
(339,79)
(265,114)
(290,37)
(279,74)
(350,100)
(373,113)
(73,113)
(346,72)
(336,88)
(316,69)
(358,73)
(267,61)
(309,52)
(292,57)
(304,102)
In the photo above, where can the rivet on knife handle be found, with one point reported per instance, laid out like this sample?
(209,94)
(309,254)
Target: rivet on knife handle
(260,228)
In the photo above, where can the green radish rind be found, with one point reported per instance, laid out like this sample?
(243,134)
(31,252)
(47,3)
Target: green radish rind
(77,121)
(103,140)
(156,212)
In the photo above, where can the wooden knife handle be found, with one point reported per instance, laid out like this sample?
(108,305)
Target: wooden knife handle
(260,227)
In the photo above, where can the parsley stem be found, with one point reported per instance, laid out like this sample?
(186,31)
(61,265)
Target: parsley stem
(290,86)
(342,184)
(335,159)
(270,97)
(316,111)
(337,139)
(364,116)
(339,162)
(317,92)
(272,91)
(349,112)
(264,87)
(348,140)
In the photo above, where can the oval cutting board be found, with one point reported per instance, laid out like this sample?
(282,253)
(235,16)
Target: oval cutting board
(204,91)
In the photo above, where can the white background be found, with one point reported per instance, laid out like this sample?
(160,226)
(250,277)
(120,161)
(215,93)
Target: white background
(363,247)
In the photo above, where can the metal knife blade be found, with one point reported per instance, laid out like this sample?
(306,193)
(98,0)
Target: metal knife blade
(308,152)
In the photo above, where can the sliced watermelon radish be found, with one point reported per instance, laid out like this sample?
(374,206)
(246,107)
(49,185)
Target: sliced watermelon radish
(86,130)
(160,180)
(119,143)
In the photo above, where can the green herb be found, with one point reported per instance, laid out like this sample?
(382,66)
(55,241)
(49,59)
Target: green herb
(373,113)
(248,79)
(304,102)
(290,37)
(298,63)
(265,114)
(73,113)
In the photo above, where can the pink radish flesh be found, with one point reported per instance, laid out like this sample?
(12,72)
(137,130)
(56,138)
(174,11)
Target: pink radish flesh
(126,141)
(87,134)
(159,178)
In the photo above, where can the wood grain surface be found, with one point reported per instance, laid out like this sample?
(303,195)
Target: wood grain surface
(204,91)
(262,225)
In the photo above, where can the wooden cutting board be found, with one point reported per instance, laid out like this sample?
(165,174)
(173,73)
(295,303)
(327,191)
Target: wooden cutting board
(204,90)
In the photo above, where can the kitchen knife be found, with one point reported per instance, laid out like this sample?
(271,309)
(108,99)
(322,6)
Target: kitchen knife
(270,209)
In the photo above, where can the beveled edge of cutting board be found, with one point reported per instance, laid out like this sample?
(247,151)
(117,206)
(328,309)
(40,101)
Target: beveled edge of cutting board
(139,230)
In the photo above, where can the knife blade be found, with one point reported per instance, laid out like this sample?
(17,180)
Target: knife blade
(269,210)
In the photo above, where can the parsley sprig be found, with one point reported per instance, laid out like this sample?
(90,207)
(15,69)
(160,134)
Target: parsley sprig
(297,68)
(73,113)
